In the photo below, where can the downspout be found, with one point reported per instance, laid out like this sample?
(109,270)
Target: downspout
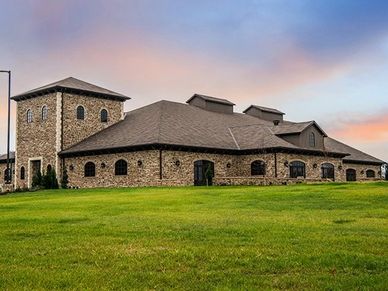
(160,165)
(276,165)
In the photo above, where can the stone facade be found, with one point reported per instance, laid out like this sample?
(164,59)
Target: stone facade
(75,130)
(42,139)
(178,169)
(361,171)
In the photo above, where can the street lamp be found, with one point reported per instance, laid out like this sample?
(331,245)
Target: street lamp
(8,175)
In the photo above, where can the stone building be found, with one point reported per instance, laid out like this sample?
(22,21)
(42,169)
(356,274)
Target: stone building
(82,127)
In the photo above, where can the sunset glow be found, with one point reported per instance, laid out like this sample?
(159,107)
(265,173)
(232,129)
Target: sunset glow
(322,60)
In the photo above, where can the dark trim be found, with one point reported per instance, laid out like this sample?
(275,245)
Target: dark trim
(157,146)
(363,162)
(276,165)
(160,165)
(11,161)
(62,89)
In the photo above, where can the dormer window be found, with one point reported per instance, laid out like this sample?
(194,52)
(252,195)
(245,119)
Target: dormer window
(29,116)
(44,113)
(312,140)
(104,115)
(80,113)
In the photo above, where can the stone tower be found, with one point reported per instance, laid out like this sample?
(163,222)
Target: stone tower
(54,117)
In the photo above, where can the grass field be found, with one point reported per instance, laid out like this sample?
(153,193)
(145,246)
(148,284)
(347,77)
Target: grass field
(332,236)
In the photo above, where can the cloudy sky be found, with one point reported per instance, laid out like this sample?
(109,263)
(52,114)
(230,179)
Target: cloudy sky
(315,60)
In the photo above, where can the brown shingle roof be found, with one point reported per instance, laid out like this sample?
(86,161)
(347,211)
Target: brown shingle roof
(355,155)
(172,123)
(212,99)
(71,84)
(266,109)
(288,127)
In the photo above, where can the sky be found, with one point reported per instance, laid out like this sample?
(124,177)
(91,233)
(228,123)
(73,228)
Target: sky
(322,60)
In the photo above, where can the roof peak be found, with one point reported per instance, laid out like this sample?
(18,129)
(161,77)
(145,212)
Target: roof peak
(71,84)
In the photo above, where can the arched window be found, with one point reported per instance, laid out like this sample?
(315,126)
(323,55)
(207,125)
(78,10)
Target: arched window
(29,116)
(49,168)
(90,169)
(80,113)
(44,112)
(370,174)
(312,139)
(327,171)
(22,173)
(297,169)
(257,168)
(121,168)
(104,115)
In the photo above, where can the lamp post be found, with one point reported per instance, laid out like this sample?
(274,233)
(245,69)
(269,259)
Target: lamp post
(8,171)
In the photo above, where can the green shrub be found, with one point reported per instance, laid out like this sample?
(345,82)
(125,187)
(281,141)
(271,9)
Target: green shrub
(65,179)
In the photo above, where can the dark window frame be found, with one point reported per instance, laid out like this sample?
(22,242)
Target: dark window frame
(121,168)
(29,116)
(90,169)
(22,173)
(44,113)
(258,168)
(297,169)
(80,112)
(312,140)
(370,173)
(104,115)
(327,171)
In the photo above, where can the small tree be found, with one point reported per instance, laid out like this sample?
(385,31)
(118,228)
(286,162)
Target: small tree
(37,180)
(65,179)
(50,180)
(208,174)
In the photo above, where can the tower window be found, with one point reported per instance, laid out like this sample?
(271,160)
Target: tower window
(29,116)
(22,173)
(80,113)
(104,115)
(44,112)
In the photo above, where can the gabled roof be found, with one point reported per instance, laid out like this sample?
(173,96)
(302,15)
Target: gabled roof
(72,85)
(211,99)
(288,127)
(265,109)
(177,124)
(3,158)
(355,155)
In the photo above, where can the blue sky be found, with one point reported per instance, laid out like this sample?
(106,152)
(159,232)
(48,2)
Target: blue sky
(321,60)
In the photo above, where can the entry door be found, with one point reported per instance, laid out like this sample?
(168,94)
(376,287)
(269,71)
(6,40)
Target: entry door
(35,167)
(203,173)
(351,175)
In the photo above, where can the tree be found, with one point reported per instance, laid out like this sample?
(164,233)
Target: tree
(37,180)
(65,179)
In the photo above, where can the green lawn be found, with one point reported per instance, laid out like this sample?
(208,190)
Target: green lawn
(332,236)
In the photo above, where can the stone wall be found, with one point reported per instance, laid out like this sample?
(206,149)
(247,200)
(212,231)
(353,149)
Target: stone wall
(75,130)
(312,171)
(35,140)
(178,169)
(3,167)
(361,171)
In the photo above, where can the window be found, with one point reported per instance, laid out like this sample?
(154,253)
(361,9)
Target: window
(49,168)
(104,115)
(22,173)
(80,113)
(312,139)
(370,174)
(327,171)
(44,112)
(121,168)
(257,168)
(90,169)
(297,169)
(29,116)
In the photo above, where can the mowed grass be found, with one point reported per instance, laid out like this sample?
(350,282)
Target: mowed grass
(332,236)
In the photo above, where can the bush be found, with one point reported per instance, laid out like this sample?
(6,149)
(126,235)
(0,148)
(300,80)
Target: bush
(37,180)
(65,179)
(47,181)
